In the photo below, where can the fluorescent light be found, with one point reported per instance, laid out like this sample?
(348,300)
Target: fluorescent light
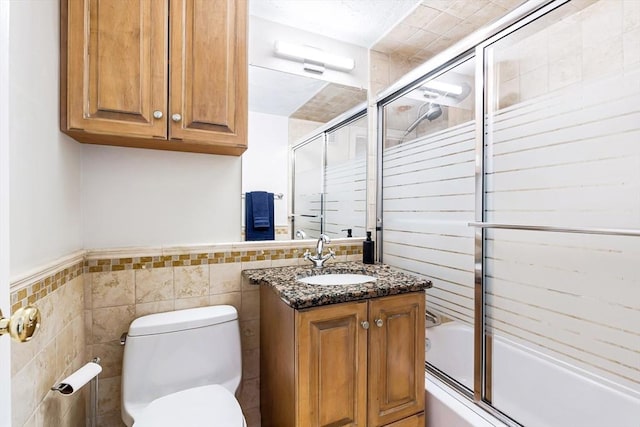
(443,87)
(315,55)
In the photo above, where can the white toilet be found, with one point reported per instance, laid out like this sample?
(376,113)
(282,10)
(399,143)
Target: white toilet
(182,368)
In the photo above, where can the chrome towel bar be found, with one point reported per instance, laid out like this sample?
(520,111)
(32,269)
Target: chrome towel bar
(548,228)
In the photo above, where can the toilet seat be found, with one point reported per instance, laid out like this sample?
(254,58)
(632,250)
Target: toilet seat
(206,406)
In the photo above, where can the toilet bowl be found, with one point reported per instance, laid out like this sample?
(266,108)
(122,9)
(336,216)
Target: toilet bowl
(182,368)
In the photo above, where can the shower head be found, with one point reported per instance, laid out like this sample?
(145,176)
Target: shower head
(433,112)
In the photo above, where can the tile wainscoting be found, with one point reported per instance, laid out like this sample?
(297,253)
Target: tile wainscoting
(105,290)
(56,350)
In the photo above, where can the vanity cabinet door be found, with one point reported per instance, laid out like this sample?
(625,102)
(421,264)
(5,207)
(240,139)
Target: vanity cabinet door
(396,358)
(332,366)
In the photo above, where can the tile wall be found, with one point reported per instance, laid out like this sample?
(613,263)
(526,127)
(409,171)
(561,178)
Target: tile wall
(281,233)
(88,304)
(330,102)
(547,58)
(432,27)
(57,349)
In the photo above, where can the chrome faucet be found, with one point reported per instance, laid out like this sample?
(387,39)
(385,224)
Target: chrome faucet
(318,259)
(432,319)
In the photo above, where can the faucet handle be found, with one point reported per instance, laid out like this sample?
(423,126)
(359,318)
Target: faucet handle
(330,254)
(306,254)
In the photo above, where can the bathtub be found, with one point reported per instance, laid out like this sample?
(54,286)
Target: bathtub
(534,389)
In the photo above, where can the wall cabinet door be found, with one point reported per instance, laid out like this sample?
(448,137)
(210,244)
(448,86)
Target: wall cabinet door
(332,366)
(116,63)
(207,69)
(116,59)
(396,358)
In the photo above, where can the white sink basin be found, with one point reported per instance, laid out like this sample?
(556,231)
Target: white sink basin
(337,279)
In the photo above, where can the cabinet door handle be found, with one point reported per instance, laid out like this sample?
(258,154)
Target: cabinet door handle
(176,117)
(379,323)
(157,114)
(365,324)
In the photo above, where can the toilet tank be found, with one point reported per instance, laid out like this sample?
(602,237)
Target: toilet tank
(168,352)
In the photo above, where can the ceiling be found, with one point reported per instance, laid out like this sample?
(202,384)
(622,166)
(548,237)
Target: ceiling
(360,22)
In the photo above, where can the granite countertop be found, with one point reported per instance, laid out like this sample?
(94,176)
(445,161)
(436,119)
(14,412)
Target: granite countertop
(282,281)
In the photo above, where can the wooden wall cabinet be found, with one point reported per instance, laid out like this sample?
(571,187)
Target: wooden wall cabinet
(352,364)
(163,74)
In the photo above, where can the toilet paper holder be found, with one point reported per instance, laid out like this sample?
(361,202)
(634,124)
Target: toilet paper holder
(70,386)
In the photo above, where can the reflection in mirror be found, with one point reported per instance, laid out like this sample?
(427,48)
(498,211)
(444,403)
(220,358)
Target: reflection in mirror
(283,108)
(307,189)
(345,179)
(329,182)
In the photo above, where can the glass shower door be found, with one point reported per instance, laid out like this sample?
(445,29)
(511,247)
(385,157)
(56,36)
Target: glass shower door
(562,216)
(428,188)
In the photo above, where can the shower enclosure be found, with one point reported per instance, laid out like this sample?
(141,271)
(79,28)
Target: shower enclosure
(510,176)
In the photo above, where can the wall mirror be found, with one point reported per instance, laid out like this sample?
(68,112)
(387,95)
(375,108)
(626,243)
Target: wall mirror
(289,98)
(284,108)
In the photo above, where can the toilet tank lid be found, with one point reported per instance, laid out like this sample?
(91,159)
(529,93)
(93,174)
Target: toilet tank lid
(180,320)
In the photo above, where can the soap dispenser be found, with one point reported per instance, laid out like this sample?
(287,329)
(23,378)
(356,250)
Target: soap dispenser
(368,249)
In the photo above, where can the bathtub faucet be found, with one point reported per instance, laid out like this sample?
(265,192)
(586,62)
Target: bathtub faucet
(432,319)
(318,259)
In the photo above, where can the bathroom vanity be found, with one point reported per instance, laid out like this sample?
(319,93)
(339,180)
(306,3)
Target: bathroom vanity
(341,354)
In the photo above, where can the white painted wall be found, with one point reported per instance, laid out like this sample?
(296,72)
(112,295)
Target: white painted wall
(137,197)
(265,165)
(45,164)
(5,353)
(66,195)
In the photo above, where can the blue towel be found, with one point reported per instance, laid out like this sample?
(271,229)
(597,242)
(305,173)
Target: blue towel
(260,202)
(262,216)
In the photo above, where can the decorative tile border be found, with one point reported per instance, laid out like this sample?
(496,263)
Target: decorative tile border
(279,231)
(226,257)
(35,286)
(35,291)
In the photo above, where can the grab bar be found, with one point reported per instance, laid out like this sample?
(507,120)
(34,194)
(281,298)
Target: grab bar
(602,231)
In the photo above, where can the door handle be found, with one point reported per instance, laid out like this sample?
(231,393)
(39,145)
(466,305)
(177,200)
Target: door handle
(22,325)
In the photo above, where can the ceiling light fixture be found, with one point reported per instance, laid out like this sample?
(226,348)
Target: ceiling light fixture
(314,59)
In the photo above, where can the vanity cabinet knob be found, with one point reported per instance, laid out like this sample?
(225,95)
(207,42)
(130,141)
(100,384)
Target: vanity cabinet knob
(157,114)
(365,324)
(379,323)
(176,117)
